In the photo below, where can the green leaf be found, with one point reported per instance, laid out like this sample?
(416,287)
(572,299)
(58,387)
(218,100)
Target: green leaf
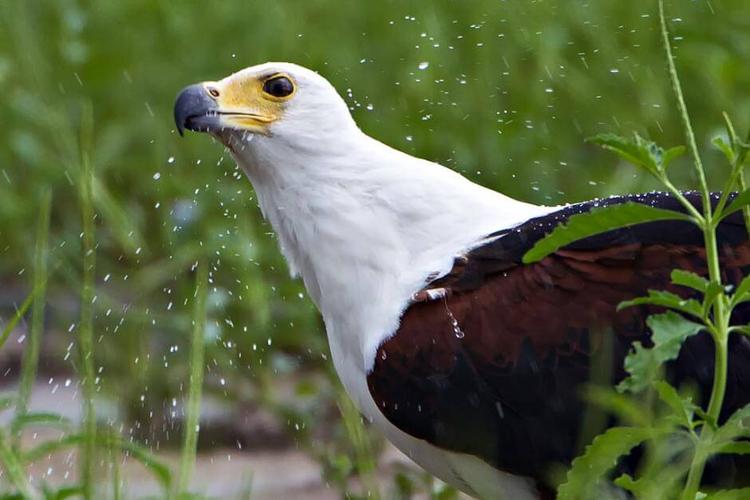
(597,221)
(744,329)
(112,441)
(51,446)
(627,409)
(739,494)
(737,425)
(742,293)
(682,408)
(672,153)
(624,148)
(642,364)
(739,201)
(734,448)
(627,482)
(666,299)
(669,331)
(639,151)
(598,458)
(63,493)
(725,148)
(689,279)
(712,293)
(39,418)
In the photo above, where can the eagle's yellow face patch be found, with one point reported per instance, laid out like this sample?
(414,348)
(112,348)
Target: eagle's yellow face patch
(251,102)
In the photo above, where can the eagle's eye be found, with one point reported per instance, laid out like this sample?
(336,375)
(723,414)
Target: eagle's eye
(213,91)
(278,86)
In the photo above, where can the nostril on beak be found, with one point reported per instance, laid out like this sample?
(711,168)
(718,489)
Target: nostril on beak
(192,102)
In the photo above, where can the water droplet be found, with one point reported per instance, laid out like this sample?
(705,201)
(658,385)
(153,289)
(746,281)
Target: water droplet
(157,176)
(170,159)
(454,323)
(423,65)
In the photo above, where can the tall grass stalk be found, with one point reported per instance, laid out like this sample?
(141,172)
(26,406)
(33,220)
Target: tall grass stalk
(363,453)
(192,409)
(86,328)
(14,470)
(31,353)
(114,461)
(20,312)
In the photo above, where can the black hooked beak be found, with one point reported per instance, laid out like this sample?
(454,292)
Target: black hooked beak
(195,110)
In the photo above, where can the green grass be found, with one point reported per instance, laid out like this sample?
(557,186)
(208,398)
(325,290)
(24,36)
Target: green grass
(31,353)
(86,327)
(195,383)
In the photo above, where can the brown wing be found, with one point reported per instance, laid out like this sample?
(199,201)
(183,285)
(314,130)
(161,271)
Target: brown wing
(496,367)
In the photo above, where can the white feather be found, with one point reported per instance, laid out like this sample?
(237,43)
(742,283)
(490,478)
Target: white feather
(364,225)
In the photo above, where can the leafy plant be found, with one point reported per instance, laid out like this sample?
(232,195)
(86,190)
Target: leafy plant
(682,436)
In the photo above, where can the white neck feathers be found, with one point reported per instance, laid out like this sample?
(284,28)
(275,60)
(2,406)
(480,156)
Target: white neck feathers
(364,226)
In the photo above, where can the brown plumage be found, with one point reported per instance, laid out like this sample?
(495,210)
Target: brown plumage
(495,368)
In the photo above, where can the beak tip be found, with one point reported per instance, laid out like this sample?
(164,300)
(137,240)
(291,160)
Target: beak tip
(191,101)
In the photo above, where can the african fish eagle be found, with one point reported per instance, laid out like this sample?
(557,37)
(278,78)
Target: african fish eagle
(468,360)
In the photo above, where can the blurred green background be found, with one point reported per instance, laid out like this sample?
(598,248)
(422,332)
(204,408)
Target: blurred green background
(503,91)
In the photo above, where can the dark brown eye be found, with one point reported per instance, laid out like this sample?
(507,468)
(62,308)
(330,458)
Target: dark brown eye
(279,86)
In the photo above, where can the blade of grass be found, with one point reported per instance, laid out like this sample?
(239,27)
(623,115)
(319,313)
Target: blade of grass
(14,469)
(187,457)
(17,317)
(31,353)
(364,456)
(86,330)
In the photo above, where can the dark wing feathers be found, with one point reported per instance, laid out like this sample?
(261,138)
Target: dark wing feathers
(495,368)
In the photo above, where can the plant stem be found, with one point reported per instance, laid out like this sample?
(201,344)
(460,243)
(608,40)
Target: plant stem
(721,355)
(698,217)
(86,329)
(31,353)
(688,127)
(192,418)
(695,475)
(721,322)
(720,317)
